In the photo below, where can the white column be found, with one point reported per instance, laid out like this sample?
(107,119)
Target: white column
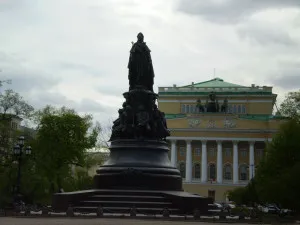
(204,162)
(235,163)
(251,160)
(189,165)
(173,153)
(219,163)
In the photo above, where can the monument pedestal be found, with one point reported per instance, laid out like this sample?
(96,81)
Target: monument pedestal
(140,165)
(138,174)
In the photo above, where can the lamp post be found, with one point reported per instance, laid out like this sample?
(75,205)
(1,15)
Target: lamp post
(19,152)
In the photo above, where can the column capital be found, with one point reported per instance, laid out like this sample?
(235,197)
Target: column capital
(203,141)
(219,141)
(173,141)
(235,142)
(188,142)
(251,142)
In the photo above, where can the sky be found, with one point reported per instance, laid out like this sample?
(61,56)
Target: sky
(75,53)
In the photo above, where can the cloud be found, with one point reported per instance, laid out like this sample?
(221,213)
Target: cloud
(266,35)
(24,78)
(290,80)
(231,11)
(74,53)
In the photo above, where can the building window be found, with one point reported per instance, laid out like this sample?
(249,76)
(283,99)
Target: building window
(227,172)
(230,108)
(234,109)
(182,108)
(227,152)
(181,151)
(212,152)
(187,108)
(197,151)
(244,153)
(243,172)
(239,109)
(197,171)
(212,171)
(259,153)
(182,169)
(243,109)
(193,109)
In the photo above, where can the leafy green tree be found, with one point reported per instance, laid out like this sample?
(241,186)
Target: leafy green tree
(63,137)
(13,109)
(245,195)
(277,175)
(290,107)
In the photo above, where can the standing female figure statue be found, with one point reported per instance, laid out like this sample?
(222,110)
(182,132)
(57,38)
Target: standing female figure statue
(141,73)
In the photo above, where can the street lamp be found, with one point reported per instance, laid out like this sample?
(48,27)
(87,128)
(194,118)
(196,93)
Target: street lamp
(19,152)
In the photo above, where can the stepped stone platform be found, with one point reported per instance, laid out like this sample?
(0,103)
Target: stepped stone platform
(122,201)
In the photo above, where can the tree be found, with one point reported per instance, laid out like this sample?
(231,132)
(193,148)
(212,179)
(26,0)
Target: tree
(245,195)
(63,137)
(277,175)
(290,107)
(13,109)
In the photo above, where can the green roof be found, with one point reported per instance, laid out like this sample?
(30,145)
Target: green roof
(214,83)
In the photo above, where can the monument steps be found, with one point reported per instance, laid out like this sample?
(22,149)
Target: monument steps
(126,199)
(121,210)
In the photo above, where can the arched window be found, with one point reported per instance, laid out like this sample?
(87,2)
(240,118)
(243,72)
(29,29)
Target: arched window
(182,169)
(212,171)
(197,171)
(243,172)
(227,172)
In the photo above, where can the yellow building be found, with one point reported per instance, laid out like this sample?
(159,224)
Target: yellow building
(218,151)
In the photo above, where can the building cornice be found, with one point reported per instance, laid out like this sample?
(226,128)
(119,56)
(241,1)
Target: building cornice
(229,130)
(180,138)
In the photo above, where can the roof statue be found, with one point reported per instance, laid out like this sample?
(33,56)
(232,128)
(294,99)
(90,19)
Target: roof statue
(212,105)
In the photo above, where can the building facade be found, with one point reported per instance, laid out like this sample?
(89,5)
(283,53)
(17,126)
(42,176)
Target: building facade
(218,148)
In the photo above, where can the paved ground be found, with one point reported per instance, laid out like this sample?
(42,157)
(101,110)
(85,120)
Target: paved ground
(93,221)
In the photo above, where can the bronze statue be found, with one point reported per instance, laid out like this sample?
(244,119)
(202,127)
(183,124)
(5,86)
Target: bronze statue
(212,105)
(140,66)
(140,118)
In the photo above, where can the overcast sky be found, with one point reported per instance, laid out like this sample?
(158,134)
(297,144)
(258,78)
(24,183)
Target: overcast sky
(75,52)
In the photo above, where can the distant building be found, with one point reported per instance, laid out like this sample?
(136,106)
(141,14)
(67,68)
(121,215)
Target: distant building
(219,150)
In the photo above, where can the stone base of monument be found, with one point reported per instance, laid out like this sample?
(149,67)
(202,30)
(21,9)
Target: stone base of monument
(122,201)
(137,175)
